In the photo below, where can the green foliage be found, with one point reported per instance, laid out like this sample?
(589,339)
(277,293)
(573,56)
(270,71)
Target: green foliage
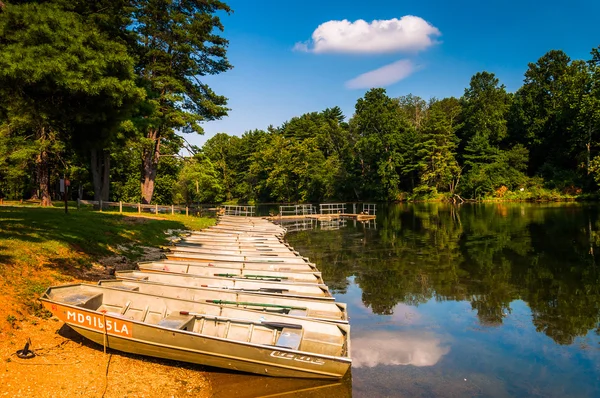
(177,42)
(116,82)
(384,146)
(436,150)
(57,74)
(198,182)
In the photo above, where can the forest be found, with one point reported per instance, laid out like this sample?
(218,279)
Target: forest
(104,94)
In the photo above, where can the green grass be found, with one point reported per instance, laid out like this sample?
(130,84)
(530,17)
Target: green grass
(44,246)
(28,233)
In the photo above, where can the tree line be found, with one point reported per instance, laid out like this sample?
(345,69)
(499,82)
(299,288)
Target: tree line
(103,93)
(541,142)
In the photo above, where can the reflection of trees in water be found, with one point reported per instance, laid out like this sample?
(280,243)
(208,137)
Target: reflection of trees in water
(489,255)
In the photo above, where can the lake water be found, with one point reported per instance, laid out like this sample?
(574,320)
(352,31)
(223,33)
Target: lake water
(494,300)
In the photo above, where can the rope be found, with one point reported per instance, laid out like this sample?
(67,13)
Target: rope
(105,333)
(109,357)
(106,376)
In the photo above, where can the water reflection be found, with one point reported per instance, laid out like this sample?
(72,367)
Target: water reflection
(397,348)
(515,287)
(486,255)
(240,385)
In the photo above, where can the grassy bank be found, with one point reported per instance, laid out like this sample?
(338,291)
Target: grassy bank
(503,195)
(40,247)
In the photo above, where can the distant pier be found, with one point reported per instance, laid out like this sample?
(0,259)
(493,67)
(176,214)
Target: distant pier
(358,217)
(327,211)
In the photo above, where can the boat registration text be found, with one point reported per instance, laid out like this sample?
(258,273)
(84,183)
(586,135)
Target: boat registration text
(117,327)
(296,357)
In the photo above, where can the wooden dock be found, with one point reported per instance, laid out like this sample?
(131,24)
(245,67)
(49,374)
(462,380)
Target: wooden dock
(358,217)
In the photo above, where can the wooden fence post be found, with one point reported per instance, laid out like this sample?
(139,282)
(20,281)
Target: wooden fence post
(186,211)
(172,210)
(100,204)
(139,208)
(156,209)
(120,206)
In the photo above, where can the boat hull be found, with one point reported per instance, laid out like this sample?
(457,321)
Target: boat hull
(137,338)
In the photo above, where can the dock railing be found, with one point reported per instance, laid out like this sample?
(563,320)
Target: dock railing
(297,210)
(332,208)
(239,210)
(369,208)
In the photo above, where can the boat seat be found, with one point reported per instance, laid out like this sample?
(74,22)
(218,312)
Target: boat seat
(89,300)
(290,338)
(123,287)
(137,278)
(176,321)
(297,313)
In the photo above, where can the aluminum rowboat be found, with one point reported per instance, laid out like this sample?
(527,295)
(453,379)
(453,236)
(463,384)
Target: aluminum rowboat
(255,265)
(251,274)
(207,257)
(231,338)
(314,309)
(270,288)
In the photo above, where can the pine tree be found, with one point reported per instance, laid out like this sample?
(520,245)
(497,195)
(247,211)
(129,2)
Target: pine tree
(177,45)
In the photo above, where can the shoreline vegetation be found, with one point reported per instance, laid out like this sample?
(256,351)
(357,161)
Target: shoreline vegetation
(43,246)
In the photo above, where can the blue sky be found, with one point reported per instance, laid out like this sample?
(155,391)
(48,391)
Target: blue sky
(271,81)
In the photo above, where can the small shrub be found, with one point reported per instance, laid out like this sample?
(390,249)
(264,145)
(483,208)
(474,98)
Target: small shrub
(11,319)
(499,193)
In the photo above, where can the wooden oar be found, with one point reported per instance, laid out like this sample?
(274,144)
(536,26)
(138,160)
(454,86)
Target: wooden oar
(285,307)
(253,276)
(260,289)
(276,325)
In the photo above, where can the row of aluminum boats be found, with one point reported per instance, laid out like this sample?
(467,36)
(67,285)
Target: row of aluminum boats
(234,296)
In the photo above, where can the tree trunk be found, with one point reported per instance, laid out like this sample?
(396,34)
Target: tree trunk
(588,146)
(43,174)
(150,157)
(101,174)
(43,170)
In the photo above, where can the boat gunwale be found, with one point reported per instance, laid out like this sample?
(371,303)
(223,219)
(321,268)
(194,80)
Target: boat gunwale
(320,285)
(219,289)
(217,265)
(343,327)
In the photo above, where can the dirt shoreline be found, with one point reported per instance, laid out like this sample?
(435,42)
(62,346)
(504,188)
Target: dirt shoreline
(66,364)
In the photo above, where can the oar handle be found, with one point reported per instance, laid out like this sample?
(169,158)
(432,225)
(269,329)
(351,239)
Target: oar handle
(281,325)
(276,325)
(269,277)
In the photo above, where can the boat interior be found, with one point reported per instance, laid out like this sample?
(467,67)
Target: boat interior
(312,337)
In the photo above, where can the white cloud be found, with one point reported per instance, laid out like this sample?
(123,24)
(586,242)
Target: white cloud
(301,47)
(384,76)
(407,34)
